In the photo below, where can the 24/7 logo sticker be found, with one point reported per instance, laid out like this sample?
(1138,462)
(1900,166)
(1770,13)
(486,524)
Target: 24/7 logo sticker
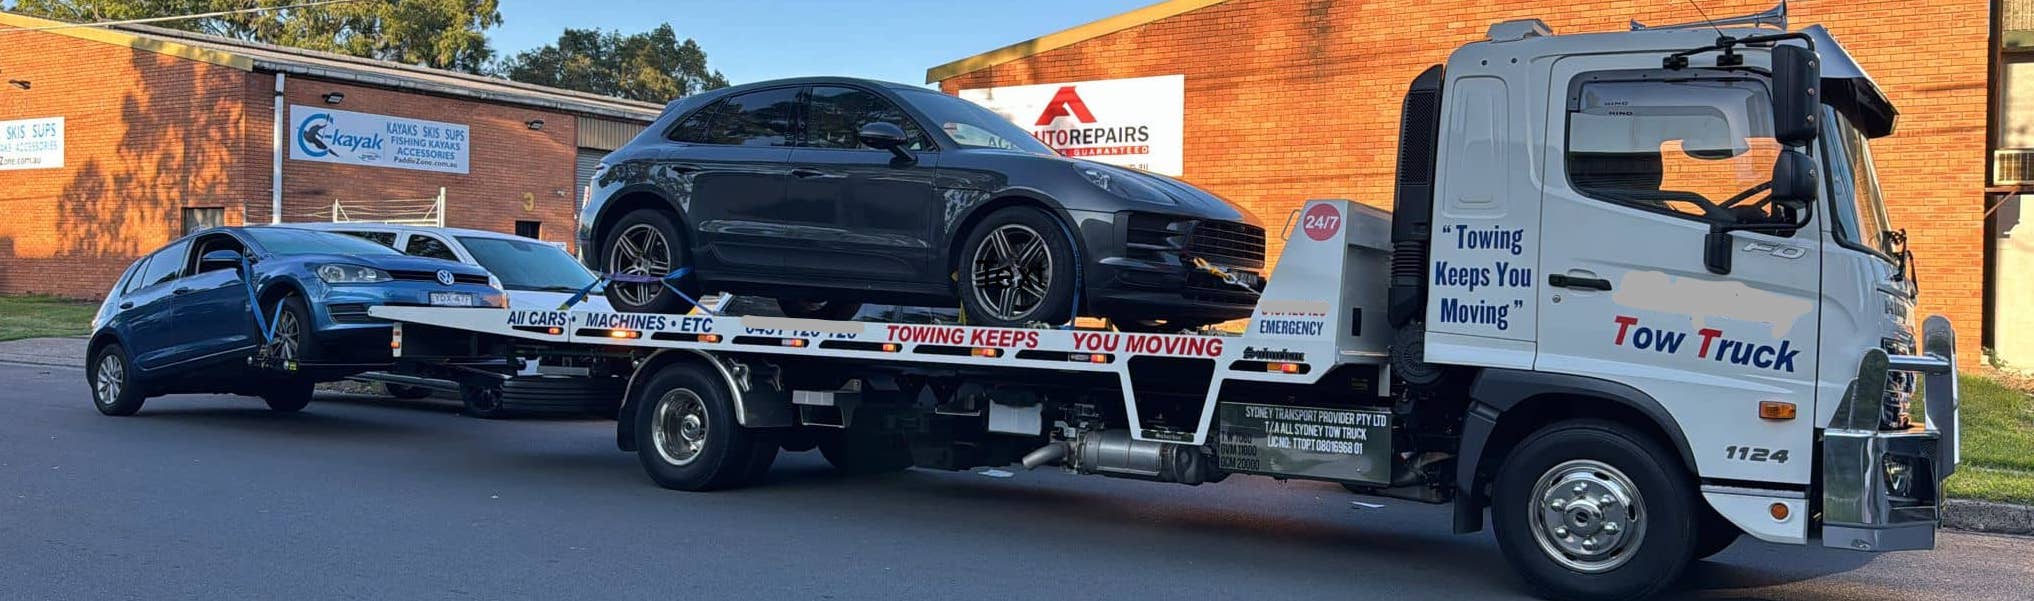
(1321,221)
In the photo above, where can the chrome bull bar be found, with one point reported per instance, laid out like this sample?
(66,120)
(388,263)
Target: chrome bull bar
(1882,489)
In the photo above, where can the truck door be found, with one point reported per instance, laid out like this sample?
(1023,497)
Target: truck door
(1640,164)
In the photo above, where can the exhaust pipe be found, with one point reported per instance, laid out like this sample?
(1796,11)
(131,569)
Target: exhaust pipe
(1046,455)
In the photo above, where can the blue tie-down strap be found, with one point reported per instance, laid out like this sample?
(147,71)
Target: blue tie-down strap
(669,282)
(262,325)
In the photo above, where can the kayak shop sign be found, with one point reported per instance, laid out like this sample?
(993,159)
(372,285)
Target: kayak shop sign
(334,136)
(32,143)
(1135,122)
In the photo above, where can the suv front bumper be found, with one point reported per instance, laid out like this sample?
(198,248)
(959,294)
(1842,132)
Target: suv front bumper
(1882,489)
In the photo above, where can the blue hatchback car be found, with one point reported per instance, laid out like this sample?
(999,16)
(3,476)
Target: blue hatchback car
(179,319)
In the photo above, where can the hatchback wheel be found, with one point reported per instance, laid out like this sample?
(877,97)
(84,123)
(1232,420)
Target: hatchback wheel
(645,242)
(114,390)
(1017,268)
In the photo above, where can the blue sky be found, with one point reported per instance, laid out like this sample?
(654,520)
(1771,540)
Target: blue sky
(754,40)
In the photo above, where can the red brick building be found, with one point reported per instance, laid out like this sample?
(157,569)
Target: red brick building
(166,131)
(1287,100)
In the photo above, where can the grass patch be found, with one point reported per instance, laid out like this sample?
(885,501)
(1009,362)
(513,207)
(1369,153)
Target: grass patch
(1998,442)
(36,316)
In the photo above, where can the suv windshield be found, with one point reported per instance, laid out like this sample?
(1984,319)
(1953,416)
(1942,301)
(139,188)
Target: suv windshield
(1859,207)
(971,125)
(527,265)
(291,241)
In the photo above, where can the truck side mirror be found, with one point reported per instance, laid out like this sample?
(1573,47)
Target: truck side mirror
(1797,93)
(1796,183)
(219,259)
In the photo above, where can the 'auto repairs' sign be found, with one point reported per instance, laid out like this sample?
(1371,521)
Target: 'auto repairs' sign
(335,136)
(32,143)
(1130,122)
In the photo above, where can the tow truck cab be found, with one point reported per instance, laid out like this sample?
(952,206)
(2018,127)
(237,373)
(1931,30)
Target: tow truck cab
(1628,224)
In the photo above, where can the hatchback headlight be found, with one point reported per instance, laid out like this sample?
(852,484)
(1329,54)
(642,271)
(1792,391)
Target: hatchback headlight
(339,273)
(1125,187)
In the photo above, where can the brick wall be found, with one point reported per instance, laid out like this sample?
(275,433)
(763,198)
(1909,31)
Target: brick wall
(514,173)
(1289,99)
(145,135)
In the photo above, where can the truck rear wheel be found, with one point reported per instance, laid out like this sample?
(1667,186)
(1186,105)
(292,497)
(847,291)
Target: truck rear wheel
(688,437)
(1591,510)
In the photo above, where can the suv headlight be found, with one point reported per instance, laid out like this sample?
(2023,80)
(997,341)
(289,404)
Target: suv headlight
(339,273)
(1125,187)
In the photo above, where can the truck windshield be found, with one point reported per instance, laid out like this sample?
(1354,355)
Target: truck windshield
(1700,148)
(1859,207)
(527,265)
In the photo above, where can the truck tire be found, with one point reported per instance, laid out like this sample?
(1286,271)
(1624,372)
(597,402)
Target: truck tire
(482,401)
(1016,268)
(1594,510)
(647,242)
(687,436)
(288,395)
(115,389)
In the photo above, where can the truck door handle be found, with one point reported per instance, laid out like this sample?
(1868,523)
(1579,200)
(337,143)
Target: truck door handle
(1567,281)
(807,173)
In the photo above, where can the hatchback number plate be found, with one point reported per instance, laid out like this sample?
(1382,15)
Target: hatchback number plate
(452,299)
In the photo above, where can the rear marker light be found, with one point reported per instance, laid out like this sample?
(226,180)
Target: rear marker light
(1779,511)
(709,338)
(624,334)
(554,331)
(794,342)
(1776,410)
(890,347)
(1094,358)
(984,352)
(1286,368)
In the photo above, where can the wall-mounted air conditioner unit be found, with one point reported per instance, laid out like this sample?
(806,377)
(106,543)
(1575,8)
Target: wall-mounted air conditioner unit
(2013,166)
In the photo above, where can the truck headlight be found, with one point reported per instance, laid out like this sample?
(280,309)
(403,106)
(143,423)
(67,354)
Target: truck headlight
(1125,187)
(340,273)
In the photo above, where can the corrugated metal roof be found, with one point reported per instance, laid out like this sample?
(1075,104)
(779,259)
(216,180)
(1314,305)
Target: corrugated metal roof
(325,65)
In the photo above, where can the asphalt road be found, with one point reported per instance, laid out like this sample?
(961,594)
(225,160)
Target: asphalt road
(213,497)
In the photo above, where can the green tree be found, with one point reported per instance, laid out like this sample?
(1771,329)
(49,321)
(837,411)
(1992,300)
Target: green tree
(652,66)
(444,34)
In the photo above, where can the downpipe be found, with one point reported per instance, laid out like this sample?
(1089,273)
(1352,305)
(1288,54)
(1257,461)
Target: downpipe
(1114,453)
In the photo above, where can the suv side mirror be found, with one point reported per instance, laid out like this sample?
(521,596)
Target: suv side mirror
(886,136)
(1797,93)
(219,259)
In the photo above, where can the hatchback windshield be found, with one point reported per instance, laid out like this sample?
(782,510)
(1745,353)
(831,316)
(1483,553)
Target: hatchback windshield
(291,241)
(971,125)
(527,265)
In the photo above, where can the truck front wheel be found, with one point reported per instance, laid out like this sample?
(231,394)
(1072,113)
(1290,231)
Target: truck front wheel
(687,435)
(1590,510)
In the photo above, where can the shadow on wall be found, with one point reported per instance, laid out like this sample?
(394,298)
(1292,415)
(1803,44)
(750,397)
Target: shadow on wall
(179,124)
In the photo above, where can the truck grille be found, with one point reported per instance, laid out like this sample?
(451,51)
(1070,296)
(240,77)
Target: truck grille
(1227,242)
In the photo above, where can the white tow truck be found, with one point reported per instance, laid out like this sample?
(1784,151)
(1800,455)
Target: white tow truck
(1638,296)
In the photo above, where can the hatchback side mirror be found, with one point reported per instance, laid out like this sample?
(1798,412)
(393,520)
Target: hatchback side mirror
(886,136)
(219,259)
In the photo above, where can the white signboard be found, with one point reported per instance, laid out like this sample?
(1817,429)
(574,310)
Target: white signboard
(32,143)
(334,136)
(1130,122)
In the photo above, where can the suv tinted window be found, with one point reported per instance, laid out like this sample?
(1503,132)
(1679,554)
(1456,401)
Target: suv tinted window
(763,118)
(167,264)
(836,115)
(428,246)
(695,129)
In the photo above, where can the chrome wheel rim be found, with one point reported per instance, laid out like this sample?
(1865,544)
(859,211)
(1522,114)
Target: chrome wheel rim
(639,250)
(1587,516)
(106,383)
(1012,272)
(679,429)
(288,332)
